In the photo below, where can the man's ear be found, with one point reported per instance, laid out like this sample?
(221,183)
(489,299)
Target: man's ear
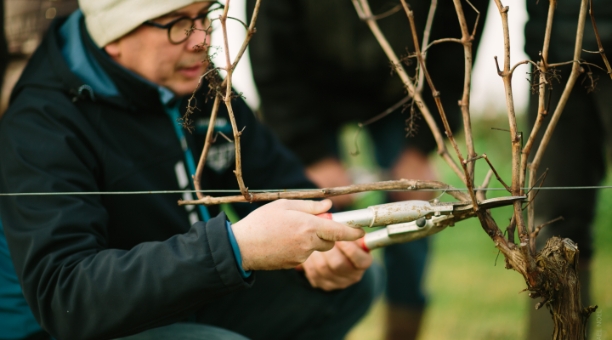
(113,49)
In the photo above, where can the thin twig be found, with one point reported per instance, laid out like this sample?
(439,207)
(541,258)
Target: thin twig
(363,10)
(521,63)
(426,34)
(467,175)
(390,12)
(581,62)
(481,192)
(374,119)
(539,228)
(539,183)
(224,137)
(227,83)
(531,197)
(227,99)
(476,21)
(440,41)
(542,69)
(598,38)
(385,113)
(402,184)
(492,168)
(566,91)
(249,34)
(207,143)
(515,139)
(466,40)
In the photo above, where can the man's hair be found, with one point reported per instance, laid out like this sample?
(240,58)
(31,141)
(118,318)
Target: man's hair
(109,20)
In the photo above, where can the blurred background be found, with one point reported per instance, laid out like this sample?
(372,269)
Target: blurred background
(472,295)
(25,22)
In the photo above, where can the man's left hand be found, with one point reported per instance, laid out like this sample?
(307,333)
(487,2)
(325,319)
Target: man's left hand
(337,268)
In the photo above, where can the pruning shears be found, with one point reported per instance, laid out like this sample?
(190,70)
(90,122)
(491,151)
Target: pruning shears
(411,220)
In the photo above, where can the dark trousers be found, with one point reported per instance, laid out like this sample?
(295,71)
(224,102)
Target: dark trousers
(283,305)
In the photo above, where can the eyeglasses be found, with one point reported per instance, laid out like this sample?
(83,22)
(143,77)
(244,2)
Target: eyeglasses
(181,28)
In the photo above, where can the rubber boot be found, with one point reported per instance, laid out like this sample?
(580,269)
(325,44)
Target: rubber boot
(402,323)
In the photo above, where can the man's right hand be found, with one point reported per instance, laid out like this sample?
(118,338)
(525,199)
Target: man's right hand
(282,234)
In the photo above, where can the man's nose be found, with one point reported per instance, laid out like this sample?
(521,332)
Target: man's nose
(200,35)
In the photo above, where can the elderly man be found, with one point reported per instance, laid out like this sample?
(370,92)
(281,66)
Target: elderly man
(95,115)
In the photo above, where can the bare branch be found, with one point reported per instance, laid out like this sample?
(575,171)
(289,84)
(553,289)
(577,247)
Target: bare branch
(481,192)
(363,9)
(375,119)
(576,69)
(385,113)
(402,184)
(468,176)
(568,87)
(515,138)
(440,41)
(249,34)
(531,208)
(207,143)
(599,44)
(466,40)
(390,12)
(228,103)
(426,33)
(476,21)
(484,156)
(522,63)
(538,228)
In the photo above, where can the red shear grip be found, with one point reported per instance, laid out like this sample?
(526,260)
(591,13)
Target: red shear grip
(362,244)
(327,216)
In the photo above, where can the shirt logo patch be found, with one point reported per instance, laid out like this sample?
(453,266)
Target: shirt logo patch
(220,157)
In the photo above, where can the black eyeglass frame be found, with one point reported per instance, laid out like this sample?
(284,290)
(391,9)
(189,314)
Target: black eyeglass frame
(168,26)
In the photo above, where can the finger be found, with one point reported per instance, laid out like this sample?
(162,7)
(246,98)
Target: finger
(338,262)
(334,231)
(359,258)
(337,272)
(311,268)
(322,245)
(321,273)
(309,207)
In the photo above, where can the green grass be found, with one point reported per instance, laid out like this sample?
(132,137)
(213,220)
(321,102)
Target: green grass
(472,295)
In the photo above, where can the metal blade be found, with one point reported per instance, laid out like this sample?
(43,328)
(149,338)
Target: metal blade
(492,203)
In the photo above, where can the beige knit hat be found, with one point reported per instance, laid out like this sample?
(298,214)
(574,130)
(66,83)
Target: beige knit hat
(108,20)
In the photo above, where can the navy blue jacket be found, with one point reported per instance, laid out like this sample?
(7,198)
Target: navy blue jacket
(103,266)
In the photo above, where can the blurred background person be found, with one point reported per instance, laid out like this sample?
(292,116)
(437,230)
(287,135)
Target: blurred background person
(577,153)
(317,67)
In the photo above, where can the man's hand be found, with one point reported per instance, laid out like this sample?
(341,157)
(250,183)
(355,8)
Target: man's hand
(338,268)
(282,234)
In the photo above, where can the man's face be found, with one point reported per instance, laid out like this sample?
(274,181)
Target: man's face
(148,52)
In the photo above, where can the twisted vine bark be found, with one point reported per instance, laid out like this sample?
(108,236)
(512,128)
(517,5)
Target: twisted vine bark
(558,261)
